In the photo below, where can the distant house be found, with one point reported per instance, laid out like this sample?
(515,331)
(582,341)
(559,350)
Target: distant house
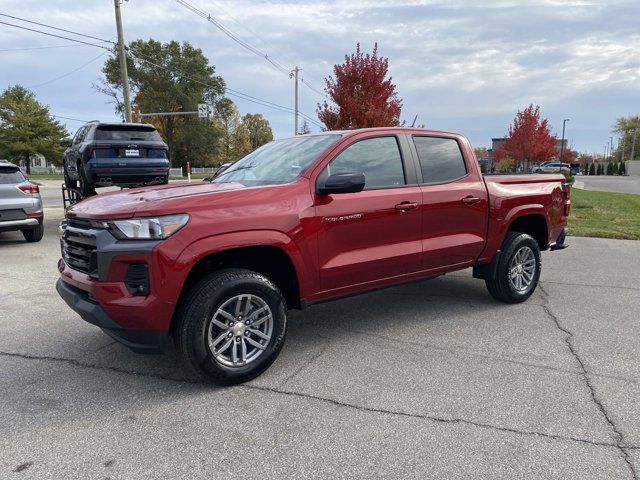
(39,164)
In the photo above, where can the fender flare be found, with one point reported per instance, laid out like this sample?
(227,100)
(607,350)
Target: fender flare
(206,246)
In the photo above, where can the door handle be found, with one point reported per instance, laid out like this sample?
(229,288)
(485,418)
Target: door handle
(470,200)
(404,206)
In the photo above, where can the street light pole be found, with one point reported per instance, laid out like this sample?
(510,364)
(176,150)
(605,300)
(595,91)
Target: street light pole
(564,122)
(123,63)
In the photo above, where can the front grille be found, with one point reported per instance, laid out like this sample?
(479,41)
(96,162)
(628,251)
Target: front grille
(78,245)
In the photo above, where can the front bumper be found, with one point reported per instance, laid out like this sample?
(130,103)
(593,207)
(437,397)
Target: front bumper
(140,341)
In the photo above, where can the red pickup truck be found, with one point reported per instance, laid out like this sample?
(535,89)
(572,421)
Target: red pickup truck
(216,265)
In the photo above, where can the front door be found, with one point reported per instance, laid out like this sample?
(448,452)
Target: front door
(373,234)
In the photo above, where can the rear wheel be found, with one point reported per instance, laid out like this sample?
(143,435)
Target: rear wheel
(231,326)
(67,180)
(86,187)
(516,275)
(34,234)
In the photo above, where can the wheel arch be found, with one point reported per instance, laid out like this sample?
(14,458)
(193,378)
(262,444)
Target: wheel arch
(267,253)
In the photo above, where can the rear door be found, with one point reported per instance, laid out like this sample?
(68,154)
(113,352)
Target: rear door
(373,234)
(454,205)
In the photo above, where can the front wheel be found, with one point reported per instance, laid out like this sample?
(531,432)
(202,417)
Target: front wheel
(231,326)
(516,275)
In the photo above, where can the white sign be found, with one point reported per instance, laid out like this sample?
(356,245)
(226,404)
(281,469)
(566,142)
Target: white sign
(203,110)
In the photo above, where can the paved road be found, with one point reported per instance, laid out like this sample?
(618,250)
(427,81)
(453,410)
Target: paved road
(609,184)
(432,379)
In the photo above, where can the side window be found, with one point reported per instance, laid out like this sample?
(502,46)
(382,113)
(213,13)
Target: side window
(79,135)
(377,158)
(440,159)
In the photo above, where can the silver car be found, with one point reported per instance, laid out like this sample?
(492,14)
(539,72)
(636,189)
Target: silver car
(20,203)
(553,167)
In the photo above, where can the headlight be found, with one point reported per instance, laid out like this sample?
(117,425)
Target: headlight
(157,228)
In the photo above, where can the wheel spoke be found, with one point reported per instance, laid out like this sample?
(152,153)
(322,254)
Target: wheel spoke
(253,343)
(260,321)
(257,312)
(258,333)
(218,339)
(238,305)
(226,315)
(224,347)
(234,352)
(220,325)
(243,351)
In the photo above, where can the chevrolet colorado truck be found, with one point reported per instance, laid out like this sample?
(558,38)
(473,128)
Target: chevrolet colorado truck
(215,266)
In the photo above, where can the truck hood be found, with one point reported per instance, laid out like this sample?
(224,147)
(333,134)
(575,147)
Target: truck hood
(159,200)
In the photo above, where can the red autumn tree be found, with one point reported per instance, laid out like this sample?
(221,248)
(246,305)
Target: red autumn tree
(362,94)
(568,156)
(529,138)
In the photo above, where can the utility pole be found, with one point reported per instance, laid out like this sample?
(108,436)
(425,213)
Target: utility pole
(123,63)
(564,122)
(294,74)
(611,147)
(633,144)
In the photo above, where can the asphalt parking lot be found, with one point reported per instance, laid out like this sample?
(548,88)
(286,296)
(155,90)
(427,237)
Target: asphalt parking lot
(428,380)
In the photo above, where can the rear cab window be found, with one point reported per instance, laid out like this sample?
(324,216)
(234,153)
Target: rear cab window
(126,133)
(440,159)
(10,175)
(377,158)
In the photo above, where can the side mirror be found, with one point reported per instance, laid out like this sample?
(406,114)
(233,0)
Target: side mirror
(206,179)
(65,142)
(342,183)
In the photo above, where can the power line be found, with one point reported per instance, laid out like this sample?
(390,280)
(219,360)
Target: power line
(231,91)
(38,48)
(69,73)
(201,13)
(54,35)
(70,118)
(231,35)
(56,28)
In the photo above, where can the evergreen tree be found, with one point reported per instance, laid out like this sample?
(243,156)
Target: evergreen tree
(622,170)
(610,168)
(27,128)
(592,169)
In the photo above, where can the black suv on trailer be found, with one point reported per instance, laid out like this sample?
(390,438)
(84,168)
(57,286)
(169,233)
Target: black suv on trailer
(122,154)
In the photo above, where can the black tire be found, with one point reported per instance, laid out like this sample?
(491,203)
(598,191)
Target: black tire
(86,187)
(34,234)
(499,284)
(195,316)
(67,180)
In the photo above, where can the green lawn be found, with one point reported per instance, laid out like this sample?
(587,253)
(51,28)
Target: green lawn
(604,214)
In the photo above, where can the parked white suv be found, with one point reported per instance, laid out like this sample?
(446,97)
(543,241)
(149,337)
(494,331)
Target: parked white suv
(20,203)
(553,167)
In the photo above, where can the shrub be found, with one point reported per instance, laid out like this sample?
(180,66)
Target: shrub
(506,165)
(622,169)
(592,169)
(610,168)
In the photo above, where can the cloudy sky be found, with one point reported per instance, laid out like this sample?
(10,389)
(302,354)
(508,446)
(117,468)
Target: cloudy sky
(466,66)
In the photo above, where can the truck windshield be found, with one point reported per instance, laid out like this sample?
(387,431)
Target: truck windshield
(277,162)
